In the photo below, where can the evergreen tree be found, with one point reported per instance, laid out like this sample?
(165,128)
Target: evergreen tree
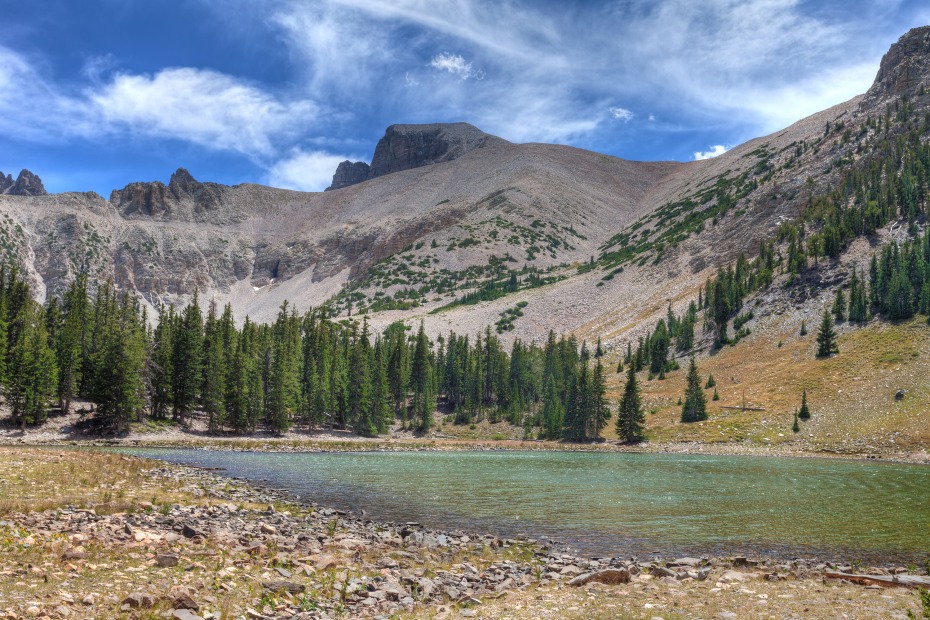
(805,412)
(283,384)
(803,331)
(421,381)
(33,374)
(553,413)
(796,427)
(359,387)
(69,342)
(600,408)
(711,382)
(839,306)
(826,337)
(631,418)
(213,390)
(378,407)
(120,388)
(187,361)
(695,407)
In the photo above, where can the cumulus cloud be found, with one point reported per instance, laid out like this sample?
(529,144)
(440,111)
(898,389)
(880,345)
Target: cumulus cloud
(456,65)
(209,109)
(307,171)
(203,107)
(715,150)
(621,114)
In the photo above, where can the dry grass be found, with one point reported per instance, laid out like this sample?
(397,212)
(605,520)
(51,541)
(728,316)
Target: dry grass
(851,394)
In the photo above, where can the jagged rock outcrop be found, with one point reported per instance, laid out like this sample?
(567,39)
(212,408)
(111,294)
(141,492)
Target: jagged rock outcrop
(905,66)
(404,147)
(183,196)
(349,173)
(26,184)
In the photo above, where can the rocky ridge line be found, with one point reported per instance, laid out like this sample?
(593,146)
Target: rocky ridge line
(404,147)
(26,184)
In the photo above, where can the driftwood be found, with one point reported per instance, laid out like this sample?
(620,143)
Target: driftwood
(888,581)
(745,408)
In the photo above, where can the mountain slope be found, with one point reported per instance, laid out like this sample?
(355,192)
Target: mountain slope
(447,210)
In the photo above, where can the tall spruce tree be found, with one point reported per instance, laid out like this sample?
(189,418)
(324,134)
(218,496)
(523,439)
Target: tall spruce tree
(421,382)
(826,336)
(694,408)
(631,418)
(187,361)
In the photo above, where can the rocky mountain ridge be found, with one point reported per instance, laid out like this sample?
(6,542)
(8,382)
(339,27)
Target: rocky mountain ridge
(26,184)
(405,147)
(599,245)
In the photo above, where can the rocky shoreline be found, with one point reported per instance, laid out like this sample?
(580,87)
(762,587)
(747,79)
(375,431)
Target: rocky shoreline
(309,561)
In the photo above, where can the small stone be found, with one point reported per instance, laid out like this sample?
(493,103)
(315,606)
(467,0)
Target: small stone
(88,600)
(268,529)
(33,612)
(184,614)
(184,601)
(139,600)
(167,560)
(285,586)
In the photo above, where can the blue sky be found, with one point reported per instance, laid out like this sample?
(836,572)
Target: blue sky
(99,93)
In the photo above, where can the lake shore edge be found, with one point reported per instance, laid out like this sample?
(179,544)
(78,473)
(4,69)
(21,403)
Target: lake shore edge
(324,442)
(401,569)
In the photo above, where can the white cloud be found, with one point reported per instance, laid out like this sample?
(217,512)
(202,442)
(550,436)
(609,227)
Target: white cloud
(203,107)
(307,171)
(715,150)
(621,114)
(456,65)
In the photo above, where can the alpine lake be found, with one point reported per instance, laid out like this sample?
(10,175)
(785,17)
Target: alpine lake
(615,504)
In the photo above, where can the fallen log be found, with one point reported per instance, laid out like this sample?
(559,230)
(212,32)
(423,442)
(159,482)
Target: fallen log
(888,581)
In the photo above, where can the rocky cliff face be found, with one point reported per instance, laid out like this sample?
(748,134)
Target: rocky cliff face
(183,198)
(905,68)
(404,147)
(349,173)
(26,184)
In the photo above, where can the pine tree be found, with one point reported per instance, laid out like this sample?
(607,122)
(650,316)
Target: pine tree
(716,395)
(796,427)
(161,366)
(213,390)
(378,407)
(69,342)
(600,408)
(33,374)
(803,331)
(631,418)
(711,382)
(826,337)
(359,386)
(283,385)
(120,389)
(553,413)
(839,306)
(695,407)
(805,412)
(421,381)
(187,361)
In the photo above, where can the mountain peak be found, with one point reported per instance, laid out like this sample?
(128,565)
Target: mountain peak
(404,147)
(905,67)
(26,184)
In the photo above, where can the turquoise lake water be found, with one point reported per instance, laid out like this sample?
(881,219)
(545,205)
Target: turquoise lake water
(617,504)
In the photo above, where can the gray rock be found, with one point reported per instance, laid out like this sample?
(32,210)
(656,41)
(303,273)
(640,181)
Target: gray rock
(284,586)
(609,576)
(139,600)
(166,560)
